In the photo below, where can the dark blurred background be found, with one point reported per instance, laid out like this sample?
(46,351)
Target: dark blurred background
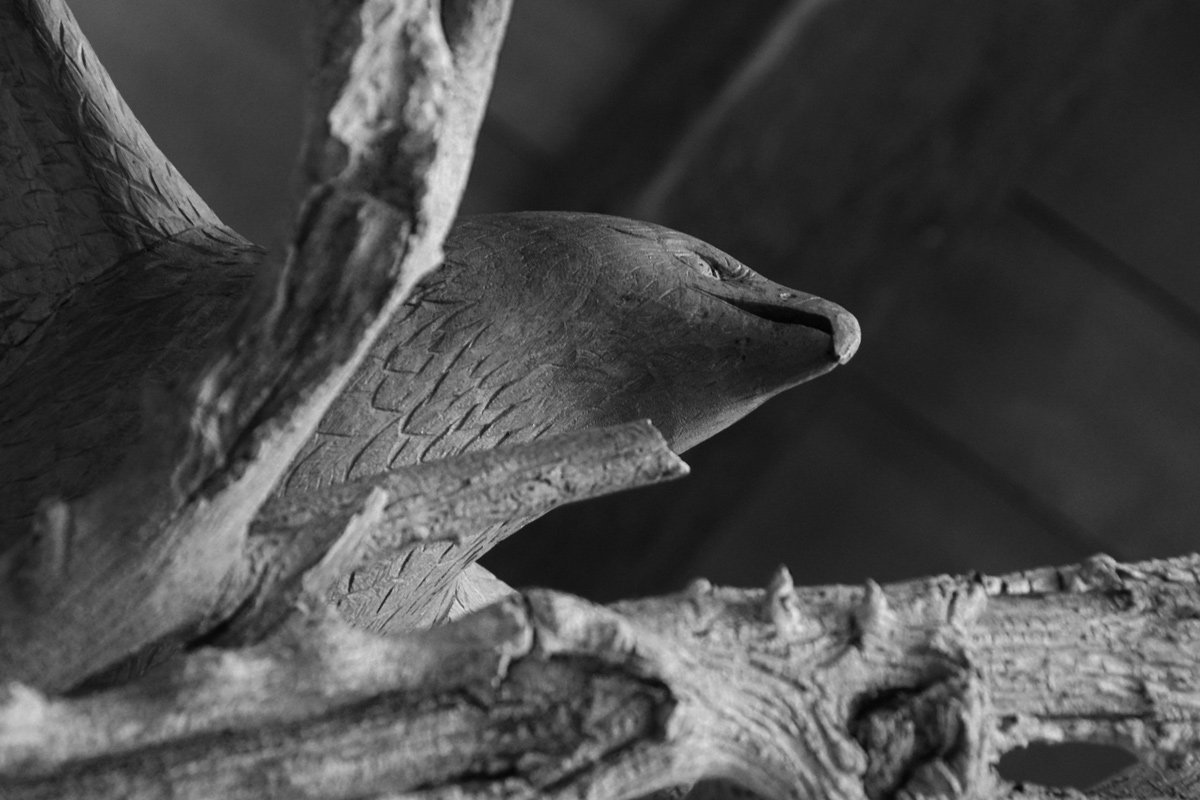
(1006,193)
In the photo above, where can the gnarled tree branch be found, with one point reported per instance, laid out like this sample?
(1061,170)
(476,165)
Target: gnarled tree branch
(912,690)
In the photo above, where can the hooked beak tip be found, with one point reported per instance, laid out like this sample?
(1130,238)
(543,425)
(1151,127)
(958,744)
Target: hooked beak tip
(811,312)
(846,334)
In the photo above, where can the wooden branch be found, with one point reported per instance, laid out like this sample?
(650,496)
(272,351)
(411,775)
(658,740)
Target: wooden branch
(145,554)
(833,692)
(476,588)
(1177,779)
(411,532)
(471,31)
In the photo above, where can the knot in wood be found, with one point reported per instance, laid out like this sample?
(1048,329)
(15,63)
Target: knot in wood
(52,529)
(873,620)
(1100,572)
(926,742)
(780,604)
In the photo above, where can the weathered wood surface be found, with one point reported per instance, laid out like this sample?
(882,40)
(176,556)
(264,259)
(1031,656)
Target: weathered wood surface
(537,324)
(394,551)
(536,327)
(1135,144)
(837,692)
(482,355)
(388,550)
(1127,144)
(396,109)
(904,499)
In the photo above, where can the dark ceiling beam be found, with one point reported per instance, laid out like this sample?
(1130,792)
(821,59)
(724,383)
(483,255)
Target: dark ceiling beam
(637,130)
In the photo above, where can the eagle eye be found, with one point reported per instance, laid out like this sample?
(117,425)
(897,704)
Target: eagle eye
(699,264)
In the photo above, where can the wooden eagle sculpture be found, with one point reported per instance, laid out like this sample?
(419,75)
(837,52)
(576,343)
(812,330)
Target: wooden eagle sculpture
(117,282)
(211,450)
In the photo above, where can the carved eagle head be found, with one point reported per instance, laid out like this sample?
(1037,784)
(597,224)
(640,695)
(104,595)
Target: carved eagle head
(544,322)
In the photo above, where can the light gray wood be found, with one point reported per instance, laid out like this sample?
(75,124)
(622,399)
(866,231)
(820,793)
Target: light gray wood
(387,550)
(838,692)
(140,556)
(535,329)
(844,692)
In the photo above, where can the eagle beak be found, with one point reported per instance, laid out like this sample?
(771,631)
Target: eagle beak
(846,333)
(797,308)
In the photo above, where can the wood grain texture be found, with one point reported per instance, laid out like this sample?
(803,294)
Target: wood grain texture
(534,326)
(117,351)
(722,333)
(841,692)
(389,551)
(545,323)
(142,555)
(540,323)
(82,185)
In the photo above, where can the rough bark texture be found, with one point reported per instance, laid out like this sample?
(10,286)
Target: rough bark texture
(141,556)
(837,692)
(911,690)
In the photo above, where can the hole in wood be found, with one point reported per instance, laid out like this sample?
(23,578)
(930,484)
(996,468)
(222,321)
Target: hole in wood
(1076,765)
